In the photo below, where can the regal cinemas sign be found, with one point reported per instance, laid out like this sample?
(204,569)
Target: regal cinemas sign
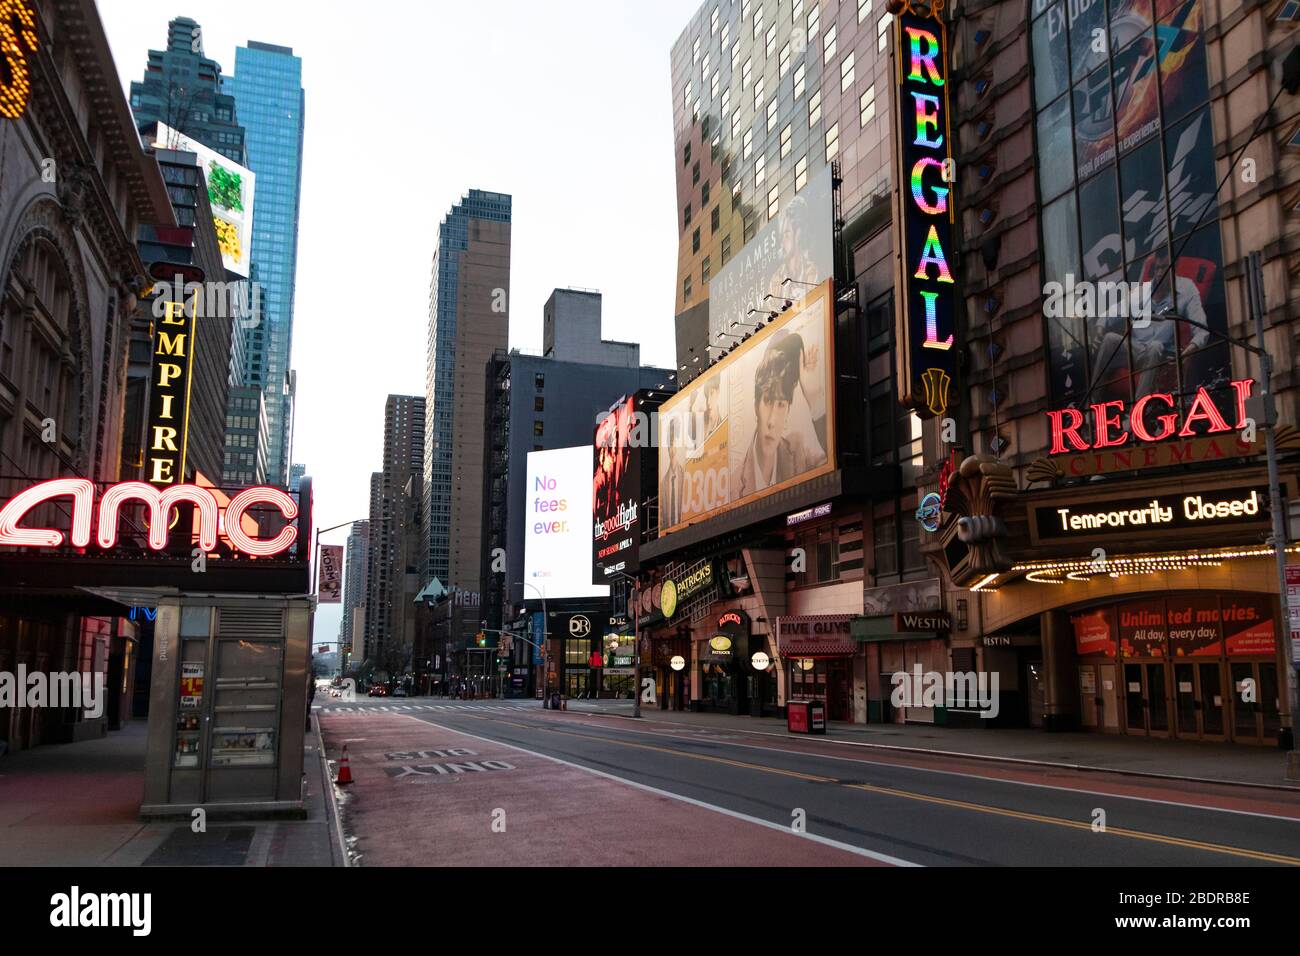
(1153,433)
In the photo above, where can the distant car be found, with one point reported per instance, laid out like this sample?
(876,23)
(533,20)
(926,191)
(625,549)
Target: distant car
(379,690)
(335,692)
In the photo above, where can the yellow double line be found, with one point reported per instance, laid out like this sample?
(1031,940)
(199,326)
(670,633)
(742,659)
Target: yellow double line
(926,798)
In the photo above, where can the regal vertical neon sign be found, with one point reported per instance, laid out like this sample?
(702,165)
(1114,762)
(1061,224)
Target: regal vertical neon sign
(924,233)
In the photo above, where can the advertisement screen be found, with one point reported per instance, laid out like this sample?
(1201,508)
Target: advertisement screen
(230,191)
(760,420)
(557,524)
(796,245)
(616,493)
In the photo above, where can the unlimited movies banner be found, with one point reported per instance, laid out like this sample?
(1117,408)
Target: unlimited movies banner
(759,421)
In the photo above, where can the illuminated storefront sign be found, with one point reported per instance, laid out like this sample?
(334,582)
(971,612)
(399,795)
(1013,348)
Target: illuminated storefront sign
(1222,506)
(169,379)
(18,42)
(925,217)
(211,522)
(1153,418)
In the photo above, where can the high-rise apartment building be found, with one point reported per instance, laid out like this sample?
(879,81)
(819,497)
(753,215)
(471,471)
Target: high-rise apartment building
(356,562)
(268,87)
(468,321)
(396,541)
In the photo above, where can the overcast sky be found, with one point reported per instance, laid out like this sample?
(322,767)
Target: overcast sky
(566,106)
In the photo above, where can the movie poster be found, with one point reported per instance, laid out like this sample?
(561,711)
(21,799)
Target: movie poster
(1094,632)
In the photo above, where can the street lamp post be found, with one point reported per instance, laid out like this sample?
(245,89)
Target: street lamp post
(546,649)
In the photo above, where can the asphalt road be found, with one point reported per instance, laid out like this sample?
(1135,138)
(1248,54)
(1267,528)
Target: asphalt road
(913,809)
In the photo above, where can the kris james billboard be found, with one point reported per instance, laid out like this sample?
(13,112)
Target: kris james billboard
(759,421)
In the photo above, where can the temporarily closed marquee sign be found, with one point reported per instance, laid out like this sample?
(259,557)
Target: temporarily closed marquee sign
(924,220)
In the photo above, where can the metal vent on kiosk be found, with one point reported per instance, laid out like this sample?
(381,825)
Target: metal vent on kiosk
(251,623)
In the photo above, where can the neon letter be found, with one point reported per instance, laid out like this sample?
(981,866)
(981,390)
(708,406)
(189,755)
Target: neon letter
(82,491)
(940,204)
(928,58)
(1061,431)
(1203,408)
(1104,424)
(933,257)
(932,324)
(925,118)
(260,495)
(1138,423)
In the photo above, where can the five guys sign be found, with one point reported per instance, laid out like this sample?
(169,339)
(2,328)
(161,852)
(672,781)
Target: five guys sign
(923,223)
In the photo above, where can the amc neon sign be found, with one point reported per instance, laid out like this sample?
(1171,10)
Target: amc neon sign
(1069,433)
(212,522)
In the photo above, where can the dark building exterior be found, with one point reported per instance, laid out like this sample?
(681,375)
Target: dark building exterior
(75,188)
(991,476)
(393,574)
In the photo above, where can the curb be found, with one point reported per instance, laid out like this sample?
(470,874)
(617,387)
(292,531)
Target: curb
(1280,787)
(337,844)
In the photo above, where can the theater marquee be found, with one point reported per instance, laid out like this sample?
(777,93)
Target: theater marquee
(924,233)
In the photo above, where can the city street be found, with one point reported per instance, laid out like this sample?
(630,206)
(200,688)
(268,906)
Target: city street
(586,789)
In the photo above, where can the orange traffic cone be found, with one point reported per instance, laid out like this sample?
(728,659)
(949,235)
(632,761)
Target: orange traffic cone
(345,772)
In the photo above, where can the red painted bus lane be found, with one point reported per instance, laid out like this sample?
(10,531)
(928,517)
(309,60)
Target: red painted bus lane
(427,795)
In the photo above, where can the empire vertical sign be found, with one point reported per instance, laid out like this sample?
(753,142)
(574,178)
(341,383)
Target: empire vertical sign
(924,233)
(169,382)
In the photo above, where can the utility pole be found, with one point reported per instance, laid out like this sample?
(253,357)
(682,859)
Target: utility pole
(1254,275)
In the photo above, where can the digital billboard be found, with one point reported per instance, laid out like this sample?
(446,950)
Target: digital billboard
(760,420)
(557,524)
(616,493)
(230,191)
(797,245)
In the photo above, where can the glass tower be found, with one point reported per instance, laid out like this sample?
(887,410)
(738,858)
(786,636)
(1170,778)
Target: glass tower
(267,85)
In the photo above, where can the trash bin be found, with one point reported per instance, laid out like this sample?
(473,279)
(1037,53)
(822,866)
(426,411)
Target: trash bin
(555,701)
(816,717)
(796,716)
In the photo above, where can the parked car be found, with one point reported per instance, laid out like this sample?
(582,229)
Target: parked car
(379,690)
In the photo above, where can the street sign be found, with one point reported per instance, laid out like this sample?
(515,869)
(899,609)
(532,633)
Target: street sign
(1293,607)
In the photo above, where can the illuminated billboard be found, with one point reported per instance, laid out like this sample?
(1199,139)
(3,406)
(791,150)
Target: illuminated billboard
(797,245)
(557,524)
(925,236)
(616,493)
(760,420)
(230,191)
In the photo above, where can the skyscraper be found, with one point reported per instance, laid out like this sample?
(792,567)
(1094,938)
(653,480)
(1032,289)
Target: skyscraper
(355,584)
(396,542)
(468,321)
(268,88)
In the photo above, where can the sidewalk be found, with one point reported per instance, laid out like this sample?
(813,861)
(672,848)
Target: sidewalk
(1148,756)
(78,804)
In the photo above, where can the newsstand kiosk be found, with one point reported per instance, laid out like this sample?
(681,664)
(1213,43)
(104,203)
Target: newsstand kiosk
(228,705)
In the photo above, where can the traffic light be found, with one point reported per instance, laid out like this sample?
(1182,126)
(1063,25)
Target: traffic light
(482,639)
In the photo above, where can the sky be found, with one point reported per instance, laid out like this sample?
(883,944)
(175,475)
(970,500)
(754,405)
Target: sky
(566,106)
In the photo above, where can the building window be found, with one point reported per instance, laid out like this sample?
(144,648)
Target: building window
(726,105)
(744,73)
(758,21)
(735,197)
(846,72)
(832,142)
(704,271)
(786,144)
(771,115)
(882,31)
(695,173)
(760,171)
(539,403)
(814,109)
(715,218)
(796,10)
(800,75)
(735,48)
(704,70)
(828,45)
(867,105)
(758,94)
(769,42)
(686,216)
(784,61)
(537,427)
(814,21)
(864,8)
(704,195)
(713,85)
(695,51)
(713,21)
(686,96)
(800,173)
(540,380)
(747,144)
(726,249)
(686,289)
(885,546)
(695,240)
(772,202)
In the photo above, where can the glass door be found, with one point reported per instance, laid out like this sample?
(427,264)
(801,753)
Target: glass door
(1157,700)
(1186,704)
(1210,699)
